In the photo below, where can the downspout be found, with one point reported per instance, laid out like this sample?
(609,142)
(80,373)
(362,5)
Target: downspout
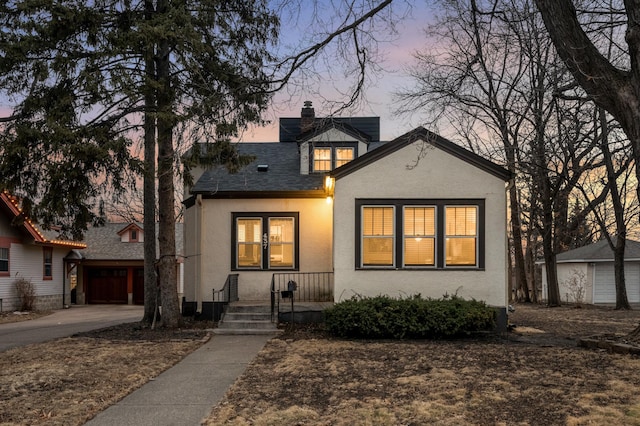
(198,251)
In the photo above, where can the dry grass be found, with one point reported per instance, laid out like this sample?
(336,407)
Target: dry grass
(535,377)
(17,316)
(68,381)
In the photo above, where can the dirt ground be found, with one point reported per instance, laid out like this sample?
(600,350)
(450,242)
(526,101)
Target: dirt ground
(534,375)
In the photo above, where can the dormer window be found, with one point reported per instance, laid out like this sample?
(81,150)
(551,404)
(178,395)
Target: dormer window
(343,156)
(134,236)
(323,158)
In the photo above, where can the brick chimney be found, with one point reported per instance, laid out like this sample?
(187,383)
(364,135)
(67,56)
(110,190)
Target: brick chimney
(307,117)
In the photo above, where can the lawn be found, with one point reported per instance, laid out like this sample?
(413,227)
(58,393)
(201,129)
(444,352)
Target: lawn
(532,376)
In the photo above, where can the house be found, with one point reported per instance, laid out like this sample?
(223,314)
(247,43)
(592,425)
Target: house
(110,269)
(587,274)
(28,252)
(418,214)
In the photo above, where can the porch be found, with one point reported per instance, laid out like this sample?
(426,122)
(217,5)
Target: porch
(301,296)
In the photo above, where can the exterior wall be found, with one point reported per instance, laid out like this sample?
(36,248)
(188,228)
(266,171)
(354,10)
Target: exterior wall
(566,271)
(26,261)
(437,175)
(333,135)
(191,248)
(208,251)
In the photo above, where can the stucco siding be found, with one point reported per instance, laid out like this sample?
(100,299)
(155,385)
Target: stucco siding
(213,256)
(190,250)
(437,175)
(332,135)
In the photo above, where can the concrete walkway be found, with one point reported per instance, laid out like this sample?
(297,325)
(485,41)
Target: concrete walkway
(186,393)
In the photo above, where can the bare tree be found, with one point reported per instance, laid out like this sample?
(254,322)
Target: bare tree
(498,66)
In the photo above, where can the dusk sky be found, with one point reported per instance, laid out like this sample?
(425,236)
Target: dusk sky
(397,52)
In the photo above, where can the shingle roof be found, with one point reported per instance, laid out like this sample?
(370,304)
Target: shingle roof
(283,173)
(370,126)
(103,243)
(325,125)
(599,251)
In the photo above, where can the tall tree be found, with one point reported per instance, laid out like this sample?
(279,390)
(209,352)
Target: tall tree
(499,67)
(613,85)
(88,76)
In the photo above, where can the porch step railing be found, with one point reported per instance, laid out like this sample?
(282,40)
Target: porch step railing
(221,298)
(309,287)
(229,292)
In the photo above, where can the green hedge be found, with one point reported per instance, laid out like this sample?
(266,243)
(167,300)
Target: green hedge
(383,317)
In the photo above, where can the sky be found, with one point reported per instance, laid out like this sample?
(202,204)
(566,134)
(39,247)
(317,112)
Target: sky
(411,18)
(397,52)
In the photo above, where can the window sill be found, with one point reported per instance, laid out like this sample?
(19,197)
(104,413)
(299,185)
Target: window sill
(265,270)
(47,278)
(418,269)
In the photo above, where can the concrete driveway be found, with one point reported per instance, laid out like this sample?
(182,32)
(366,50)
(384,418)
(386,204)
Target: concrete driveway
(66,322)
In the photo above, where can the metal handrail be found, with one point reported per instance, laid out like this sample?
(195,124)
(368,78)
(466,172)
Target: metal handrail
(311,287)
(229,292)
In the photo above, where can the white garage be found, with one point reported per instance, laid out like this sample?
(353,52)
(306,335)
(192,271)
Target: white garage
(589,270)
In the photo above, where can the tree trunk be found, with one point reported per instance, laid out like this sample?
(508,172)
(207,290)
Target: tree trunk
(553,290)
(166,198)
(151,291)
(618,265)
(518,255)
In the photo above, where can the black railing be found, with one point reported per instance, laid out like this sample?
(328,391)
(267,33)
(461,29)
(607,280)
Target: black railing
(309,287)
(229,292)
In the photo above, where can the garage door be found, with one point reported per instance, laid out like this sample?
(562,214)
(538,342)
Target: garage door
(108,286)
(604,290)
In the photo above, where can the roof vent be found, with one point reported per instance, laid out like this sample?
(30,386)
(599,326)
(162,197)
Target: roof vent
(263,167)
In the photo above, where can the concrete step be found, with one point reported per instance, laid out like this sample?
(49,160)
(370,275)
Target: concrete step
(257,324)
(246,316)
(247,331)
(249,308)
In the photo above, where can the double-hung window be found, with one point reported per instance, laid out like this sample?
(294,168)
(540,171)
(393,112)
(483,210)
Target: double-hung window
(322,159)
(265,241)
(434,234)
(461,240)
(343,156)
(47,263)
(4,260)
(419,236)
(378,236)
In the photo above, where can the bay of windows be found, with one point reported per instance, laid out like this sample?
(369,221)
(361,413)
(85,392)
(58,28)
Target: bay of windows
(420,233)
(265,240)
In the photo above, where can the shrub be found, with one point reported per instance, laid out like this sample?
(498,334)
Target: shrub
(383,317)
(26,294)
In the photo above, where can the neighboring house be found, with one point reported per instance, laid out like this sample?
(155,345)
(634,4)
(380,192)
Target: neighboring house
(27,252)
(590,268)
(111,267)
(418,214)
